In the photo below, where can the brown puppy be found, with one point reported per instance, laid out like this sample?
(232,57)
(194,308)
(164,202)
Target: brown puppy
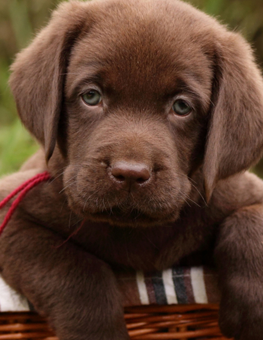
(143,108)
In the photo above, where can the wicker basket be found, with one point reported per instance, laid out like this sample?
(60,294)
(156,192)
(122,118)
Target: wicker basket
(143,322)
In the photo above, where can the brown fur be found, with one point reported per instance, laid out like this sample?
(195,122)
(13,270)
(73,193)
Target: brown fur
(196,205)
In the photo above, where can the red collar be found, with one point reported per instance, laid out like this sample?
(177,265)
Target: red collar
(22,190)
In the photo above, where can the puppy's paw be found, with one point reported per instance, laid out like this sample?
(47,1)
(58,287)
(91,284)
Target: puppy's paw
(105,331)
(241,314)
(116,330)
(109,333)
(107,327)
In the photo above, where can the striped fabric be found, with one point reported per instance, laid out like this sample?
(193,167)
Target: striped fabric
(10,301)
(173,286)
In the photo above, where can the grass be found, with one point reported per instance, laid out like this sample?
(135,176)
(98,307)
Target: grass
(16,145)
(15,142)
(18,21)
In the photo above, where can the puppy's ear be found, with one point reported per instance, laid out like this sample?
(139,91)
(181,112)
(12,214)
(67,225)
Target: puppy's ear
(235,137)
(39,73)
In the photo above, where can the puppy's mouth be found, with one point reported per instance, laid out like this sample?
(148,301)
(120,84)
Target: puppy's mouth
(131,217)
(116,214)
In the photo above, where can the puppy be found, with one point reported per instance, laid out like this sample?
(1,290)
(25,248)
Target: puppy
(148,114)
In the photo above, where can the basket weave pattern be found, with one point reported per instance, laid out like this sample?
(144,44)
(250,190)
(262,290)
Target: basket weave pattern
(199,322)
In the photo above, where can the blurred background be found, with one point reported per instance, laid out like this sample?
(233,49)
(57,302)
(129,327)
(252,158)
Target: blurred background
(21,19)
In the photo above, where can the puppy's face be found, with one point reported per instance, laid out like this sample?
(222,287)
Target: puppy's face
(138,95)
(136,103)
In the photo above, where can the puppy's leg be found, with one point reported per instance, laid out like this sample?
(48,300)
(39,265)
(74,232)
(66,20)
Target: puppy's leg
(75,290)
(239,255)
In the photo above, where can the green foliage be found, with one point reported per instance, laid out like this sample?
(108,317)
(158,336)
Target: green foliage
(16,145)
(21,19)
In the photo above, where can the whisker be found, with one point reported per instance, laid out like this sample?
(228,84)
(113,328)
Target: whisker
(67,186)
(192,182)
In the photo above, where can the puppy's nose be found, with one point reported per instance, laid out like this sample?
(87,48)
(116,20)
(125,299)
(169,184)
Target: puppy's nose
(128,173)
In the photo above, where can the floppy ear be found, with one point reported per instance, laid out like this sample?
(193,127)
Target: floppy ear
(39,72)
(235,137)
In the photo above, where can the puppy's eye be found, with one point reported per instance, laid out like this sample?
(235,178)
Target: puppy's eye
(181,107)
(91,98)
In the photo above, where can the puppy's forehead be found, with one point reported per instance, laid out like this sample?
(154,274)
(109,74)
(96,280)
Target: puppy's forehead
(144,42)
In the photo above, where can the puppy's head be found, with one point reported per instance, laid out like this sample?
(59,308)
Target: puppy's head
(138,95)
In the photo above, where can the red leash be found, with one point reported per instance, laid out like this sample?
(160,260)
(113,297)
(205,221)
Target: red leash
(23,190)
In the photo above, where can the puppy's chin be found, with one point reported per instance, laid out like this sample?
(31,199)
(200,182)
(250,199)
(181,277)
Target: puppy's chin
(126,216)
(135,218)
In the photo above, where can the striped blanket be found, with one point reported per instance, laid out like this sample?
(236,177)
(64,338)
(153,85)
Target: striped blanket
(173,286)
